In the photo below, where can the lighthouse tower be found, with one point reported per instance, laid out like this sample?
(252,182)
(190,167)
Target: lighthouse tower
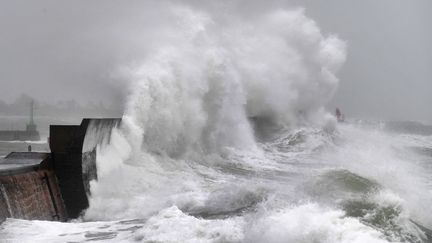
(31,126)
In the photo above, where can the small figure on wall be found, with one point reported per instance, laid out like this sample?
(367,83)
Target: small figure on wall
(339,116)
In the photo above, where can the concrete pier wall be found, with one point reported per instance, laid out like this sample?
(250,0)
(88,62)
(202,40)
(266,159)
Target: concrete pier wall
(75,161)
(54,186)
(29,188)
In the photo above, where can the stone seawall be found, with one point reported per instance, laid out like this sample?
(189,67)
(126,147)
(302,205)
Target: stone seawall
(28,196)
(29,188)
(55,185)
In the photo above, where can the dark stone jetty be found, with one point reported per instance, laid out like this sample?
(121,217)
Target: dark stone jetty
(54,186)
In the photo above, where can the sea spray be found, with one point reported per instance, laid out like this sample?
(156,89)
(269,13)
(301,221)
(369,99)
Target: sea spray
(192,100)
(198,91)
(189,150)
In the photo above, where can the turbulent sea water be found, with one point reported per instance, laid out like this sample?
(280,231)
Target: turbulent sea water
(358,183)
(225,138)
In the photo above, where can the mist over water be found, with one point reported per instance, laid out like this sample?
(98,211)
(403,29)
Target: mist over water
(225,139)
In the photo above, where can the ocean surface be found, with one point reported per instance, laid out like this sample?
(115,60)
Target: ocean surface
(362,182)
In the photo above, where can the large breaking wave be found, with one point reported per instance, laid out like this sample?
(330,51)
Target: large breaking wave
(198,95)
(198,90)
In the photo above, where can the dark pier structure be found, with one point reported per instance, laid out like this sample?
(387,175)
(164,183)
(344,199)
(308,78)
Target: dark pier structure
(55,185)
(30,134)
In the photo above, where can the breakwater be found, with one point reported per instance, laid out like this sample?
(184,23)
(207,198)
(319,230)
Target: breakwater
(55,185)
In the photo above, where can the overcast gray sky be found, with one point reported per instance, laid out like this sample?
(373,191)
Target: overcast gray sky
(388,72)
(70,49)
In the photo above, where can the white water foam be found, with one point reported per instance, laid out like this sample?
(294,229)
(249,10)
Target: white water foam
(304,223)
(386,158)
(310,223)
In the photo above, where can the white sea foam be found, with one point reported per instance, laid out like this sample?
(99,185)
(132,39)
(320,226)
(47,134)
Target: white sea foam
(310,223)
(387,159)
(303,223)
